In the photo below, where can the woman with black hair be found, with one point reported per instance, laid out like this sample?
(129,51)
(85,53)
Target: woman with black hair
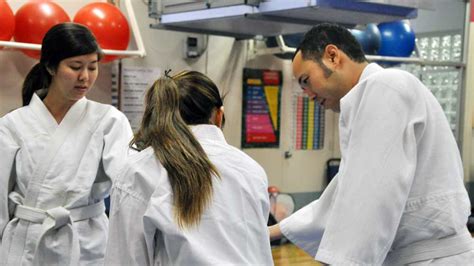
(59,154)
(188,197)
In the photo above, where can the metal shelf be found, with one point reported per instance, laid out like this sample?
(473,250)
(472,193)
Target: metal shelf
(244,19)
(282,48)
(339,11)
(233,21)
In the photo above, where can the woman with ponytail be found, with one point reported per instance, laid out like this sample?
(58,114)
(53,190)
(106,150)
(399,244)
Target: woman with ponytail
(188,197)
(59,154)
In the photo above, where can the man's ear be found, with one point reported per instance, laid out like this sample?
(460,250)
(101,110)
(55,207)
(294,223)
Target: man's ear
(332,53)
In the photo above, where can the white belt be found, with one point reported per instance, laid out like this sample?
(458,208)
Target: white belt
(59,214)
(54,219)
(430,249)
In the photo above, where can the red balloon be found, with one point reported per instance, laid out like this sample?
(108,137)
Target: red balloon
(108,24)
(34,19)
(7,21)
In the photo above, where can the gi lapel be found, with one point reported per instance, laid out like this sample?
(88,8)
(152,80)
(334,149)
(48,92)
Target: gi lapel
(67,125)
(70,121)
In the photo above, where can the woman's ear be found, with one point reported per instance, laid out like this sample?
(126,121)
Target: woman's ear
(50,71)
(219,117)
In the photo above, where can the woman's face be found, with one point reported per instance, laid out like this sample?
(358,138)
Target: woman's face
(75,76)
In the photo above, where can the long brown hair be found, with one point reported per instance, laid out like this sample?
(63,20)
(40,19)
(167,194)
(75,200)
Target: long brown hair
(171,104)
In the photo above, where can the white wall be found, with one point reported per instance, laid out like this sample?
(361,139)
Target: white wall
(305,170)
(223,61)
(14,66)
(447,15)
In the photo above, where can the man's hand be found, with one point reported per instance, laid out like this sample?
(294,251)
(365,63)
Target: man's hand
(275,232)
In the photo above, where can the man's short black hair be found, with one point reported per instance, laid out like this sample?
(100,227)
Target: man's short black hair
(315,41)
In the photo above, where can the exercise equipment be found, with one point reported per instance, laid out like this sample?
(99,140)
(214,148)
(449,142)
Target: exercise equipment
(7,21)
(282,205)
(397,39)
(108,24)
(368,38)
(34,19)
(273,190)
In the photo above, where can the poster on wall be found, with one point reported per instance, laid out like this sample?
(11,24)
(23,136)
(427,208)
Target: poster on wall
(308,129)
(261,108)
(134,83)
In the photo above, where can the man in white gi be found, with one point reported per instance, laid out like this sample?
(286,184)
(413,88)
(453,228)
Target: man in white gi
(399,196)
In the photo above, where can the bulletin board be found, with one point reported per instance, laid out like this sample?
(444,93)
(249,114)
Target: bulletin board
(261,108)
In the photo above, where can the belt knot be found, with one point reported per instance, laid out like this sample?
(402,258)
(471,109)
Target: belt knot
(60,216)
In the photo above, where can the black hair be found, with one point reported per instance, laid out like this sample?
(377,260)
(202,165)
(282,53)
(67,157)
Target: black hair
(60,42)
(199,97)
(315,41)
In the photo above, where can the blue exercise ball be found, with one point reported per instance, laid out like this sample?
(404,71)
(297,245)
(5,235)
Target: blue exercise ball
(293,40)
(398,39)
(373,34)
(369,38)
(359,35)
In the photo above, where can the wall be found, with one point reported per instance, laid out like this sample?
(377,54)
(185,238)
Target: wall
(447,15)
(304,173)
(14,66)
(223,61)
(450,16)
(468,136)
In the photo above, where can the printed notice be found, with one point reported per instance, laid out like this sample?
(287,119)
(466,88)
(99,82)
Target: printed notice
(135,83)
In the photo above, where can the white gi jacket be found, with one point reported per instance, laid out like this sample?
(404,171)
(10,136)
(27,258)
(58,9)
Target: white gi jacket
(399,195)
(53,179)
(233,230)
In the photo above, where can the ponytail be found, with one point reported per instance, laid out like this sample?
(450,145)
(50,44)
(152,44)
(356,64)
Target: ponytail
(38,78)
(189,169)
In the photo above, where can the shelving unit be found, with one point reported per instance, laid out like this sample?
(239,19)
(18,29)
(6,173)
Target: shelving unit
(245,19)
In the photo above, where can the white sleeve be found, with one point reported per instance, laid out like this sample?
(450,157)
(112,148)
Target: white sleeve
(129,242)
(117,137)
(261,189)
(375,178)
(8,150)
(305,227)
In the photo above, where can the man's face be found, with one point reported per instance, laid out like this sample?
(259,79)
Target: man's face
(320,83)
